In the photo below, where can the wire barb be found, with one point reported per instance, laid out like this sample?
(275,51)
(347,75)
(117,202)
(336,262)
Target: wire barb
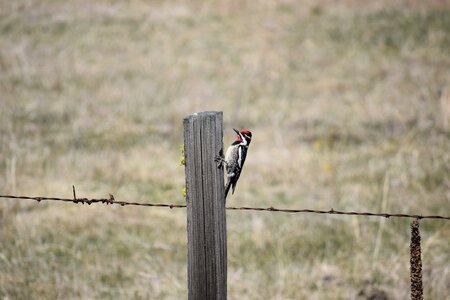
(74,194)
(111,200)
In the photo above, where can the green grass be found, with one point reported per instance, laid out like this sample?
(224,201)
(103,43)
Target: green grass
(345,103)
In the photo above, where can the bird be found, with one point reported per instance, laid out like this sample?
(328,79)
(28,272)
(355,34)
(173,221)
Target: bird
(235,158)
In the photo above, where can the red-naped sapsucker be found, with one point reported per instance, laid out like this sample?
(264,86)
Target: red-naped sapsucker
(235,158)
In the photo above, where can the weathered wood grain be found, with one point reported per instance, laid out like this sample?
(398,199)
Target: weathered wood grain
(206,218)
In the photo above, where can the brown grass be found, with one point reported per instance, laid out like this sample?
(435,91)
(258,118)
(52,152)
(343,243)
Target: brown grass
(345,100)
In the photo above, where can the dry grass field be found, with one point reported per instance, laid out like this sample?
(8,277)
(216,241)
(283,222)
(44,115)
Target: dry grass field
(348,101)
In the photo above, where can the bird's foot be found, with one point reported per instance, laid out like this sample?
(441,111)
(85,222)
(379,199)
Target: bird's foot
(220,159)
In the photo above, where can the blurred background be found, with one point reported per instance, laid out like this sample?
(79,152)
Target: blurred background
(348,102)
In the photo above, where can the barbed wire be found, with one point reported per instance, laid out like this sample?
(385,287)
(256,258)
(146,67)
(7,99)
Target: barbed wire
(340,212)
(112,201)
(88,201)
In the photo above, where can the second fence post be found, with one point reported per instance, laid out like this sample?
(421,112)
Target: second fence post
(206,219)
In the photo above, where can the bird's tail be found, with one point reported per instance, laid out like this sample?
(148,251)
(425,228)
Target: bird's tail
(227,188)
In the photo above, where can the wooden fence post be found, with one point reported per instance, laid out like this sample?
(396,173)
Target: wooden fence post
(206,218)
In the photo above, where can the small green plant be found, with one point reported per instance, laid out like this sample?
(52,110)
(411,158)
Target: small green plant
(182,163)
(182,157)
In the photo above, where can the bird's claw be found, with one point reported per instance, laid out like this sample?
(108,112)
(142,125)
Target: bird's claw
(219,160)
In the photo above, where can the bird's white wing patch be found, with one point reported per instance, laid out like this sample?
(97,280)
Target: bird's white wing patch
(240,157)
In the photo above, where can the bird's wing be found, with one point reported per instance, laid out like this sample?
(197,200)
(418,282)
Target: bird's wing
(240,166)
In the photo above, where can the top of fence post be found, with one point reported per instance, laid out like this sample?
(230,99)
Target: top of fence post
(206,217)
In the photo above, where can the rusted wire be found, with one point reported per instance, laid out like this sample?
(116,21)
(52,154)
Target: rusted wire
(91,201)
(112,201)
(339,212)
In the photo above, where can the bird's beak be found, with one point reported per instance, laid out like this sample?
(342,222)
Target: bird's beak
(236,131)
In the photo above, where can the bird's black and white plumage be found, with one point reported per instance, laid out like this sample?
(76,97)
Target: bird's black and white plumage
(235,158)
